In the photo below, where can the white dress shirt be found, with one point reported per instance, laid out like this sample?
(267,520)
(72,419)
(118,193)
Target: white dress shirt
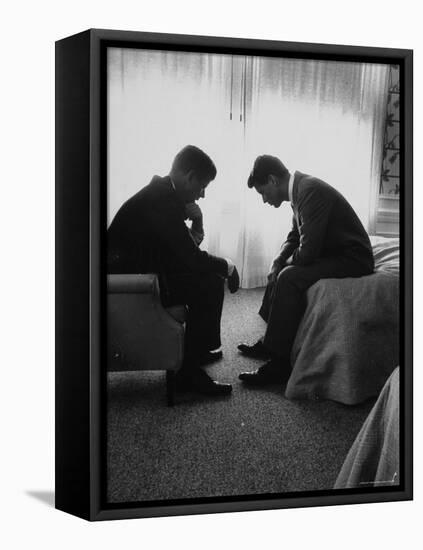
(290,186)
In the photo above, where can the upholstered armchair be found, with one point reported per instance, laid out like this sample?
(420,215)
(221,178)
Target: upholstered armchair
(142,334)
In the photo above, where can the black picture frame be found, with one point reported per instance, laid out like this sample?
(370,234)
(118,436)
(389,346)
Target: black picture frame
(81,280)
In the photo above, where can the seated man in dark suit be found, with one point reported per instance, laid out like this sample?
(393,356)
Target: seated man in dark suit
(149,235)
(327,240)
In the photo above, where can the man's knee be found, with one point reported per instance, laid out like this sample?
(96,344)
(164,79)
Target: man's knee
(213,283)
(295,278)
(215,280)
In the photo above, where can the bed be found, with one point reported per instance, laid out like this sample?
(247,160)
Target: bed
(373,459)
(347,343)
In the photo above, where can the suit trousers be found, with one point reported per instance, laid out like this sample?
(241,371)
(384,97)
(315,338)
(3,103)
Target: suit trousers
(203,294)
(284,301)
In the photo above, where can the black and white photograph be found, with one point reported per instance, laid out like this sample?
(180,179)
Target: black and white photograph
(253,276)
(211,229)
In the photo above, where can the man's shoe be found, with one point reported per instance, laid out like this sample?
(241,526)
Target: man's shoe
(271,372)
(209,357)
(256,351)
(233,281)
(198,381)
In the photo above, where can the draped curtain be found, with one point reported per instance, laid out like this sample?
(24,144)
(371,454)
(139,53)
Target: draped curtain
(324,118)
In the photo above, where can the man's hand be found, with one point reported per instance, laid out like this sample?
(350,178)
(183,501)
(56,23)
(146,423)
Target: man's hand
(276,268)
(274,272)
(197,236)
(233,281)
(193,211)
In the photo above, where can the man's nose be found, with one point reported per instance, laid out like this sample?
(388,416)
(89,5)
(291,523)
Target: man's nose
(202,193)
(264,200)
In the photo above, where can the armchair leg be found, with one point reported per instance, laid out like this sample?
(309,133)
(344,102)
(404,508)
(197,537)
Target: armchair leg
(170,387)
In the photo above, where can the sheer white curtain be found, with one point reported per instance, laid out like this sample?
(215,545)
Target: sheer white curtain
(158,102)
(323,118)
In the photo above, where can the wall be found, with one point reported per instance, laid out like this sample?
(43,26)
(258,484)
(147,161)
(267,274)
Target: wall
(27,285)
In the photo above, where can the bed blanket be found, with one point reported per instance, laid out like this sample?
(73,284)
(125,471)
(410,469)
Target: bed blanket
(373,459)
(347,343)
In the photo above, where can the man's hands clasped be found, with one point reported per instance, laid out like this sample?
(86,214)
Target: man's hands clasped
(274,272)
(276,268)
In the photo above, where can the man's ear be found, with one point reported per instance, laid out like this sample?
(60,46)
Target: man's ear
(190,175)
(271,179)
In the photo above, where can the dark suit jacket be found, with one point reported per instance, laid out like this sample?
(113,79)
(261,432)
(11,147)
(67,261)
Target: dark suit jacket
(149,235)
(324,225)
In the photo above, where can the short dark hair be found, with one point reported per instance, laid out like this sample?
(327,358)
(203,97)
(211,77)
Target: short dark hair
(264,166)
(193,158)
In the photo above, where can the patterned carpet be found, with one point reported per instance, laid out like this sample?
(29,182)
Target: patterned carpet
(253,442)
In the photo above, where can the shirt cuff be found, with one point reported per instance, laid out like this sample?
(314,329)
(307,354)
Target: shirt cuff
(231,266)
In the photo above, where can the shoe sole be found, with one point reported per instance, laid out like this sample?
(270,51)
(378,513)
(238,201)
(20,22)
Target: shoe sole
(211,361)
(254,355)
(260,383)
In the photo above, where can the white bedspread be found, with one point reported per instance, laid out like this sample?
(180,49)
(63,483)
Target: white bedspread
(347,343)
(373,459)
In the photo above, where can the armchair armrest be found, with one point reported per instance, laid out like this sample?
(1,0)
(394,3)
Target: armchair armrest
(142,334)
(130,283)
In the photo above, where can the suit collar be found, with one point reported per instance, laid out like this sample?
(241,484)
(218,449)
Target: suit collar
(295,181)
(171,186)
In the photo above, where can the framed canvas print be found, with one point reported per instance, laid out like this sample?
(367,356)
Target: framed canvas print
(234,274)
